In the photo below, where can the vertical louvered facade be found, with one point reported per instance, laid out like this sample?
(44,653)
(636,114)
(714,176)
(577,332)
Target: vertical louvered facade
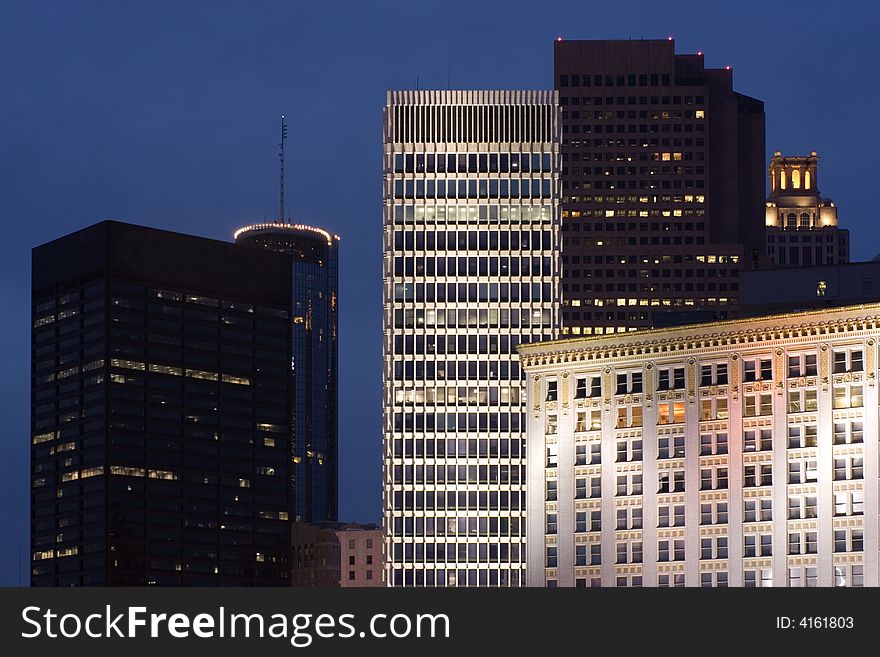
(470,238)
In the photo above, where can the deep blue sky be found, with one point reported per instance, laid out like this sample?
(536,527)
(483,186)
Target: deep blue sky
(166,114)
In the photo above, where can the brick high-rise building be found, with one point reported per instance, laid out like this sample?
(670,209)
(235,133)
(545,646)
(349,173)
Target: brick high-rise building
(662,185)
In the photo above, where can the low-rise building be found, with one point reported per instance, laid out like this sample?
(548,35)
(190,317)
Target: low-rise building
(801,225)
(334,554)
(362,561)
(316,559)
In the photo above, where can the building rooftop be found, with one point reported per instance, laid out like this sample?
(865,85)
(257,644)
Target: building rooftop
(270,227)
(708,332)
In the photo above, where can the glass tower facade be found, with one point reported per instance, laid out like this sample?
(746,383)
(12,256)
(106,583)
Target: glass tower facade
(161,411)
(470,235)
(314,362)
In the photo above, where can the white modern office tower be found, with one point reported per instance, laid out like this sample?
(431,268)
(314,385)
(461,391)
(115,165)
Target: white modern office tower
(470,242)
(741,453)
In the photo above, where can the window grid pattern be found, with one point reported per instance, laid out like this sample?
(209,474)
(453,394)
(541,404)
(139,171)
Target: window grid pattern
(470,230)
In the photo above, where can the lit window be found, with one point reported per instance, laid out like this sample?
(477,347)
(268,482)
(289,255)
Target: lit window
(847,396)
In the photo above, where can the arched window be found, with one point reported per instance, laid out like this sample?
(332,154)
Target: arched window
(796,178)
(805,220)
(807,180)
(791,220)
(782,179)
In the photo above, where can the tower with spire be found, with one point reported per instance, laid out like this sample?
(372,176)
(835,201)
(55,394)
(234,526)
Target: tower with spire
(313,328)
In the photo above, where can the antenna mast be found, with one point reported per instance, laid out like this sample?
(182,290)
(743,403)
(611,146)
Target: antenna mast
(281,155)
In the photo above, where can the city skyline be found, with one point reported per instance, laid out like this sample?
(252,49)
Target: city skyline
(222,169)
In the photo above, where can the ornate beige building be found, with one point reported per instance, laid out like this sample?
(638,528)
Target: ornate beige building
(801,225)
(740,453)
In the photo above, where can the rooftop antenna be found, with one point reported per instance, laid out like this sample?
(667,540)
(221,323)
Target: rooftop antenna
(449,77)
(281,155)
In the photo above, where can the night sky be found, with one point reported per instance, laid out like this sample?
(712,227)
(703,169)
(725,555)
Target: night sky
(166,114)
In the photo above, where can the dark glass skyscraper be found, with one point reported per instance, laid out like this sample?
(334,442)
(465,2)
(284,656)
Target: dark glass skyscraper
(161,408)
(314,277)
